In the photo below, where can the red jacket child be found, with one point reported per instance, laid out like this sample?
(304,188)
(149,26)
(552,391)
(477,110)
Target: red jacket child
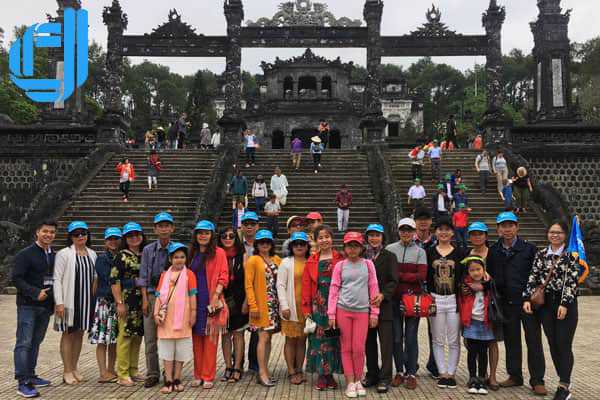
(460,218)
(466,303)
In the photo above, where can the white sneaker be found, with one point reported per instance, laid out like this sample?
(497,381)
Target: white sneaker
(360,390)
(351,391)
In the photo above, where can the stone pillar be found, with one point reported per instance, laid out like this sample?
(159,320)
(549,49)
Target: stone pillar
(232,121)
(112,128)
(495,120)
(373,122)
(552,90)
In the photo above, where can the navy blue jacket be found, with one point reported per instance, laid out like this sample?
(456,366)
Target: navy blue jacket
(31,266)
(511,268)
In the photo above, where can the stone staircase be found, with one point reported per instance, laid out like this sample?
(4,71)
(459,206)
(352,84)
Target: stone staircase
(315,192)
(180,184)
(485,207)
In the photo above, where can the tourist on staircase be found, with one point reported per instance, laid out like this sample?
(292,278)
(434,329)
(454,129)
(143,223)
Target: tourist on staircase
(126,267)
(205,137)
(294,224)
(104,327)
(440,203)
(460,220)
(279,185)
(522,188)
(558,271)
(175,314)
(323,354)
(289,292)
(74,275)
(126,176)
(296,150)
(316,149)
(238,187)
(250,144)
(260,193)
(182,131)
(483,167)
(435,155)
(33,278)
(451,132)
(150,140)
(161,138)
(324,132)
(416,156)
(154,259)
(416,194)
(271,212)
(411,269)
(263,304)
(209,265)
(154,167)
(235,297)
(509,262)
(443,279)
(500,169)
(460,196)
(353,308)
(343,200)
(385,266)
(215,140)
(456,179)
(172,136)
(237,214)
(507,194)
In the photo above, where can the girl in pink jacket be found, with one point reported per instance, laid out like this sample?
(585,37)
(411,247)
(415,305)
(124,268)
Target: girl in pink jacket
(353,307)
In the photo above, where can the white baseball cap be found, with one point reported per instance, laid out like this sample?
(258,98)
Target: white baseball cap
(407,222)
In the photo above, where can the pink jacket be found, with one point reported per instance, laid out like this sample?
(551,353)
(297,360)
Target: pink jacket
(336,284)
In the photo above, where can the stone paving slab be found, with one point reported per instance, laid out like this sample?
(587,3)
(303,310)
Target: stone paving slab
(586,382)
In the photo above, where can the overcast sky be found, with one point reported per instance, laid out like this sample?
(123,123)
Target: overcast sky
(399,17)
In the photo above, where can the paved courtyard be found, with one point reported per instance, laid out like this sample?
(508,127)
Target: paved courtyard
(586,384)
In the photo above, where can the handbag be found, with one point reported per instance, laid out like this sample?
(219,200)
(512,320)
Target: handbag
(495,315)
(310,326)
(538,297)
(418,305)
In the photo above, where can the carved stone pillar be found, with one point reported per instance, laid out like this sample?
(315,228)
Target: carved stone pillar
(495,120)
(552,90)
(232,121)
(116,22)
(373,122)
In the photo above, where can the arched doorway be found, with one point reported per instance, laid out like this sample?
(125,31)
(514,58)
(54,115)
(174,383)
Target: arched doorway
(305,134)
(335,139)
(278,139)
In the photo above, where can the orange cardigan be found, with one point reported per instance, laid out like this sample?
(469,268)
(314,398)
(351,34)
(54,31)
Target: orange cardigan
(121,168)
(256,289)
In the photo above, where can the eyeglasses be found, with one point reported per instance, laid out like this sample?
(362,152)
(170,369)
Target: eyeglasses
(79,234)
(229,236)
(299,244)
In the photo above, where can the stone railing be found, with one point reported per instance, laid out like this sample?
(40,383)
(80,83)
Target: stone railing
(389,204)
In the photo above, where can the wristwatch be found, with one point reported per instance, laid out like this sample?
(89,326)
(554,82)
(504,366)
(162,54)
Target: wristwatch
(120,302)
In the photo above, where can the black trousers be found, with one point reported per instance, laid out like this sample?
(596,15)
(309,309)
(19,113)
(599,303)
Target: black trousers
(386,344)
(560,334)
(124,188)
(532,324)
(252,355)
(477,357)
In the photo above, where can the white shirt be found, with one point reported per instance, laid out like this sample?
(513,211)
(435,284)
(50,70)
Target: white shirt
(259,189)
(435,152)
(417,192)
(279,185)
(272,207)
(441,203)
(478,307)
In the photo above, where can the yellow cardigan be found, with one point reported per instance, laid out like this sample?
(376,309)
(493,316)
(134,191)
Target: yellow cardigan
(256,289)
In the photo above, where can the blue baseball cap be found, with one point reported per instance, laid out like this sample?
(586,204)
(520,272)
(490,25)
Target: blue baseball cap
(173,247)
(77,225)
(478,226)
(205,225)
(263,234)
(132,227)
(301,236)
(163,217)
(375,228)
(507,216)
(249,216)
(112,232)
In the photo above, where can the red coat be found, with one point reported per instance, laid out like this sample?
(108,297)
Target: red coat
(466,304)
(121,168)
(309,280)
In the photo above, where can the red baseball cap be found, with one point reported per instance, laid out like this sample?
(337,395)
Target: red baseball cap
(314,216)
(354,237)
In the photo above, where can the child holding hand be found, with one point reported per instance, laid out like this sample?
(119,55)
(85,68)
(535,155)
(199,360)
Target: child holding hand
(175,314)
(353,307)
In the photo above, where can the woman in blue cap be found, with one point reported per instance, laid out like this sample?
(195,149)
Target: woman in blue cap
(263,303)
(289,292)
(104,328)
(126,267)
(74,276)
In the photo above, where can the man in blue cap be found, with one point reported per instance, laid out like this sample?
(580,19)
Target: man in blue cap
(32,276)
(154,259)
(509,262)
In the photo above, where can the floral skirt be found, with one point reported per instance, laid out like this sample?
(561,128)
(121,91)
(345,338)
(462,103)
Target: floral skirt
(104,327)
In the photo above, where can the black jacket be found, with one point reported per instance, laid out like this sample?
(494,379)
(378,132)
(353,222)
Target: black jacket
(511,268)
(31,266)
(385,267)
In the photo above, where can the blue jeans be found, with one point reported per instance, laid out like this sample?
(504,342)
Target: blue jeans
(32,323)
(461,237)
(406,345)
(260,204)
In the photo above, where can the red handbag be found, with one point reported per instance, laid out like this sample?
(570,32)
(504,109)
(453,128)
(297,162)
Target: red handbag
(418,305)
